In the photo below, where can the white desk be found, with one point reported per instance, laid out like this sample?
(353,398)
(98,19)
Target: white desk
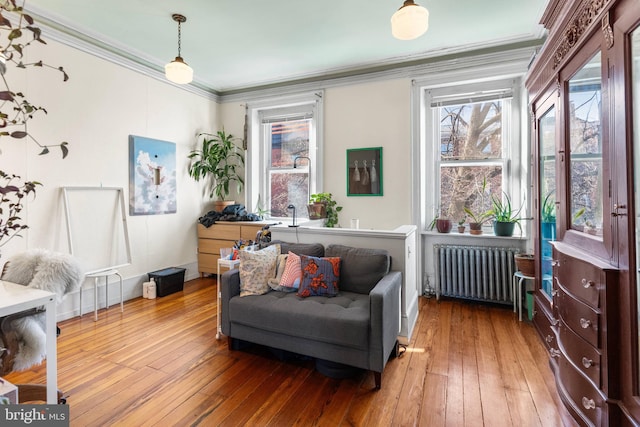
(15,298)
(230,264)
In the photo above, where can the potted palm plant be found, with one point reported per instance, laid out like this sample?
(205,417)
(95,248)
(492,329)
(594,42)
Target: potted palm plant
(220,161)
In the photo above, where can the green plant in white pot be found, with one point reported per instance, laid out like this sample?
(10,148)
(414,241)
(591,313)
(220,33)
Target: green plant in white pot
(220,160)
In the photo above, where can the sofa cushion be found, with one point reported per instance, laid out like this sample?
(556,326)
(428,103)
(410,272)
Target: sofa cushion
(361,269)
(341,320)
(292,272)
(311,249)
(256,268)
(320,276)
(274,282)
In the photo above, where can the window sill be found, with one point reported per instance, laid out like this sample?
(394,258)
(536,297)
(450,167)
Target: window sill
(486,234)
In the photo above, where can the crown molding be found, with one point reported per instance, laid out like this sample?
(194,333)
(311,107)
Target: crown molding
(54,28)
(441,60)
(504,60)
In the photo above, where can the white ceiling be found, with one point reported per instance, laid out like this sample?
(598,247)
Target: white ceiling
(235,45)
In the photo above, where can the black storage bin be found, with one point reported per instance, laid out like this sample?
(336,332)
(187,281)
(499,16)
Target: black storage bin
(168,281)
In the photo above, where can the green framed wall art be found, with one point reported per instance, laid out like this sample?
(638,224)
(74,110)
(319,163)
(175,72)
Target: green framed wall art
(364,171)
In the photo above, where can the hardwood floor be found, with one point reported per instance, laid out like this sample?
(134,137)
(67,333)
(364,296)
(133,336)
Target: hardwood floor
(158,363)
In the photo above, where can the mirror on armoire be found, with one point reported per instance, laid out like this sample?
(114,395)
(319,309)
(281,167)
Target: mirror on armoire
(635,79)
(585,140)
(547,140)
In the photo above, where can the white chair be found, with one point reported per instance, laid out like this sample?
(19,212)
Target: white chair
(95,277)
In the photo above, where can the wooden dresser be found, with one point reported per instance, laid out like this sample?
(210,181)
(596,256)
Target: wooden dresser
(584,299)
(222,234)
(584,89)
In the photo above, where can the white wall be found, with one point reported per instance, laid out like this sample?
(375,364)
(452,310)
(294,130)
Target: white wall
(372,114)
(95,111)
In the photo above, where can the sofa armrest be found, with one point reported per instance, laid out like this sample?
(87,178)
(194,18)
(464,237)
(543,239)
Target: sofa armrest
(385,319)
(229,287)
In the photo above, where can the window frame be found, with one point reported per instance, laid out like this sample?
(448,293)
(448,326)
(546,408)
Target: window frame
(429,139)
(259,149)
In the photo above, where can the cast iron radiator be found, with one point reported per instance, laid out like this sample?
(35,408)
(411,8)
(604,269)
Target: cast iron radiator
(475,272)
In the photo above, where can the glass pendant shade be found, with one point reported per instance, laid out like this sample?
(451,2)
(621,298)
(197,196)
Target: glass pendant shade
(410,21)
(178,71)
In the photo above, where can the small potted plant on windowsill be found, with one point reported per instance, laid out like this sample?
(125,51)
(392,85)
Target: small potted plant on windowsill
(461,226)
(322,205)
(505,218)
(477,219)
(441,222)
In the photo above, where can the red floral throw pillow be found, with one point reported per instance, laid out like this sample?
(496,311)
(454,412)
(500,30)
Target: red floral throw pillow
(320,276)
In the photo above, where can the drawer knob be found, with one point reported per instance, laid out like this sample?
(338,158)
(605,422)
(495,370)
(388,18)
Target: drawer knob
(587,283)
(555,263)
(585,323)
(588,403)
(554,293)
(549,338)
(587,363)
(554,352)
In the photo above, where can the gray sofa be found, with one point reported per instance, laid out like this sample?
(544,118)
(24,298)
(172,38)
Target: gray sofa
(358,327)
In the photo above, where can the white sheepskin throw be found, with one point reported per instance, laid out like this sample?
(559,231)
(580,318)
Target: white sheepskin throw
(41,269)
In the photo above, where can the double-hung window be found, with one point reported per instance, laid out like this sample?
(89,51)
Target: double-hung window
(289,164)
(471,153)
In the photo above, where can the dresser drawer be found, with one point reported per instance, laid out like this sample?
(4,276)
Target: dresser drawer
(581,353)
(248,232)
(208,246)
(585,398)
(580,278)
(582,319)
(219,231)
(208,263)
(543,324)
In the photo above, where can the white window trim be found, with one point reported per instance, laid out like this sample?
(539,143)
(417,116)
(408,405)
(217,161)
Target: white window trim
(514,167)
(257,157)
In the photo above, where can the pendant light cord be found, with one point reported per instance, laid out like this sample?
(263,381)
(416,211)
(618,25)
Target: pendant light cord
(179,37)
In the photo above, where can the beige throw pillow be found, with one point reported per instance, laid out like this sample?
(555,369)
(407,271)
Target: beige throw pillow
(256,268)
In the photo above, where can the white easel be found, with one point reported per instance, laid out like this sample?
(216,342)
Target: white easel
(98,235)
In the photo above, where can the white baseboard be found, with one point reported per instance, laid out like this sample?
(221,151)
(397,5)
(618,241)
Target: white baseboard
(131,288)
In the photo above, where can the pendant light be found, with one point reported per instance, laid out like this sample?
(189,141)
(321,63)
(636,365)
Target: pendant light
(177,70)
(410,21)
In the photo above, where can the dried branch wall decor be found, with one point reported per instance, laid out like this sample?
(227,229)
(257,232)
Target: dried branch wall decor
(16,111)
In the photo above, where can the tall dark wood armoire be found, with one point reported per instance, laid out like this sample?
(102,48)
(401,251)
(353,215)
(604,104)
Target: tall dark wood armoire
(584,88)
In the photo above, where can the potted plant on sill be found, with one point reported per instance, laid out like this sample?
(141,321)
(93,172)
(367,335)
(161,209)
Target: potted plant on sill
(322,205)
(461,226)
(477,219)
(220,161)
(442,221)
(505,218)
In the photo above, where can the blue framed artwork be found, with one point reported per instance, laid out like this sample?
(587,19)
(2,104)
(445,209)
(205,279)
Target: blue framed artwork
(152,176)
(364,171)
